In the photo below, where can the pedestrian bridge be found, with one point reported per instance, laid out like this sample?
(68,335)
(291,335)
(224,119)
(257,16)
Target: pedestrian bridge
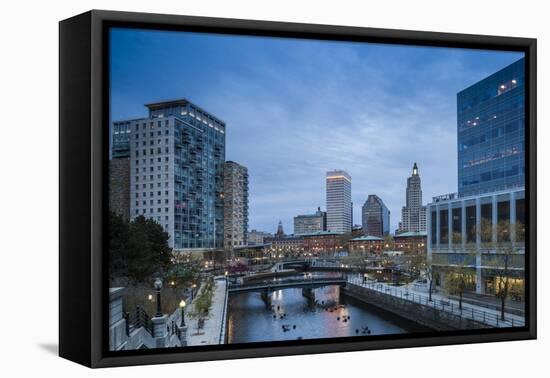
(279,284)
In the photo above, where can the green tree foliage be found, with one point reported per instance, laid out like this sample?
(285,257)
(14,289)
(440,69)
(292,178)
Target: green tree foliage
(137,249)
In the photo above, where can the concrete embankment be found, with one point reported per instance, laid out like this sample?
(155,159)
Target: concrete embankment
(422,314)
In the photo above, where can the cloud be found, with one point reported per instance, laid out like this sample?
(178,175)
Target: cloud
(296,108)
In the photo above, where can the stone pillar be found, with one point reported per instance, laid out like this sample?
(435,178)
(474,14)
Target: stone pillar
(450,225)
(494,208)
(437,231)
(117,322)
(182,332)
(463,230)
(478,223)
(160,333)
(430,232)
(479,284)
(513,217)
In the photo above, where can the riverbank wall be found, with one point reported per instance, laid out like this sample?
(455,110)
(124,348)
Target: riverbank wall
(422,314)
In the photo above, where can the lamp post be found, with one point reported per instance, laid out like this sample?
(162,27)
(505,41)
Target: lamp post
(158,286)
(182,306)
(193,291)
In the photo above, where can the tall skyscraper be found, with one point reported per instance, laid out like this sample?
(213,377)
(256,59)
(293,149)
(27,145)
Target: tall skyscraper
(235,215)
(413,214)
(176,172)
(339,205)
(309,223)
(375,217)
(491,132)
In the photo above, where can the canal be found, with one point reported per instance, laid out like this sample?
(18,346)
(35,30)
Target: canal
(292,316)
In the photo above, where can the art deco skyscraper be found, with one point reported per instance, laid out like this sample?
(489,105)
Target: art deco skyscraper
(413,214)
(235,214)
(339,205)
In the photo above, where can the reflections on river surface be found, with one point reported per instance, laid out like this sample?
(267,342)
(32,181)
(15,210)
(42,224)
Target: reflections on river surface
(293,316)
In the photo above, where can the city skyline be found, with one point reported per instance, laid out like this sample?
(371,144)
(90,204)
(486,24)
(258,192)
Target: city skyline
(338,118)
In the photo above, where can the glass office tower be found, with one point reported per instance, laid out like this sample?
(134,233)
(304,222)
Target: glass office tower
(491,132)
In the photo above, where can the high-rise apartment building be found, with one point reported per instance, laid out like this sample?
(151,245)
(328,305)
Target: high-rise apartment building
(235,192)
(413,214)
(339,205)
(176,172)
(375,217)
(310,223)
(491,132)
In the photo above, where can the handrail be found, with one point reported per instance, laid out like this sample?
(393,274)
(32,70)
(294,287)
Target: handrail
(447,306)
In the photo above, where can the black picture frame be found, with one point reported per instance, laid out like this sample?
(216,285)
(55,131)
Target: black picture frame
(83,166)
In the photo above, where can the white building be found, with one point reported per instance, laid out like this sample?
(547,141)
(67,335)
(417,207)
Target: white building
(339,205)
(455,235)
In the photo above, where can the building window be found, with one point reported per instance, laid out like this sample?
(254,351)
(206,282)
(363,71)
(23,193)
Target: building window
(457,226)
(486,222)
(503,215)
(520,220)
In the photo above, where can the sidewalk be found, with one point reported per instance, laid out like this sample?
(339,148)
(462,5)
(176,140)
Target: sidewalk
(481,314)
(213,331)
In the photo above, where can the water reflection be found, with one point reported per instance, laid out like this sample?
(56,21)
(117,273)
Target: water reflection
(293,316)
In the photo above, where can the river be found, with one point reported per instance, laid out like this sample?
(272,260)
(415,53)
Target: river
(331,315)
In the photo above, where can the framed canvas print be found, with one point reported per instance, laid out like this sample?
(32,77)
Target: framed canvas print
(234,188)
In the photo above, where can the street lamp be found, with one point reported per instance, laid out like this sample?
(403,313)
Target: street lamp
(158,286)
(182,306)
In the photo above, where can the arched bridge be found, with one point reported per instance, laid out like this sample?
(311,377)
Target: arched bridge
(274,285)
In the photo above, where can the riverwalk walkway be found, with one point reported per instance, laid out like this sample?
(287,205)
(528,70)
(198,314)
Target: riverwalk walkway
(480,314)
(213,330)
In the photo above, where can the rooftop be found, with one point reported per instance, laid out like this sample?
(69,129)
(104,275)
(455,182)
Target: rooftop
(367,238)
(411,234)
(321,233)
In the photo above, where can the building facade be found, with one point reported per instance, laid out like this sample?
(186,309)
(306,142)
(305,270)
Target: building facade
(176,172)
(411,242)
(257,237)
(339,205)
(375,217)
(491,132)
(306,224)
(366,244)
(235,197)
(323,243)
(285,246)
(413,214)
(456,235)
(482,227)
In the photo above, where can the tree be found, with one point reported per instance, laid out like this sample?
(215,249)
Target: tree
(203,303)
(500,253)
(119,236)
(459,275)
(421,267)
(138,249)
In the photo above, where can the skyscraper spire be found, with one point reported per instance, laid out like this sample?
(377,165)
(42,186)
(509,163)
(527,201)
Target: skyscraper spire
(415,170)
(280,233)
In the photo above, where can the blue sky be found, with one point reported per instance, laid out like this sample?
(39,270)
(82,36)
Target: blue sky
(295,109)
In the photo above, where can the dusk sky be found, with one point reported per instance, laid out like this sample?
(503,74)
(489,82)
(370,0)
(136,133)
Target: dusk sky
(295,109)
